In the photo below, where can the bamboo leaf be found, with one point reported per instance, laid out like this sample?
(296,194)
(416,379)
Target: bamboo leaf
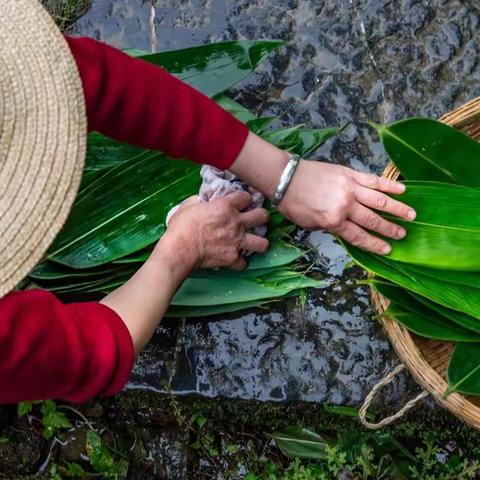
(259,125)
(463,374)
(103,152)
(215,67)
(55,271)
(311,139)
(123,211)
(446,232)
(233,107)
(420,319)
(470,279)
(301,443)
(457,297)
(425,149)
(454,316)
(222,289)
(431,326)
(192,312)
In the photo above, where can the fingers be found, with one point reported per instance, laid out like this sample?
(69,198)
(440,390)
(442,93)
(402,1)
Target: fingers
(378,183)
(380,201)
(255,218)
(361,238)
(240,200)
(372,221)
(239,264)
(254,243)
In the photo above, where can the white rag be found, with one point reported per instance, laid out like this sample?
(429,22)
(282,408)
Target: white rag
(218,183)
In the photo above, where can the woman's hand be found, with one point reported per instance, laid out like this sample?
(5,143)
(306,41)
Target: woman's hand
(214,234)
(344,202)
(199,235)
(327,196)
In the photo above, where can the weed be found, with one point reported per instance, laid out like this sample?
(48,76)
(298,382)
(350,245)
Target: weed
(65,12)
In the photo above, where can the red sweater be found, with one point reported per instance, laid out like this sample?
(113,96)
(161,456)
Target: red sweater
(78,351)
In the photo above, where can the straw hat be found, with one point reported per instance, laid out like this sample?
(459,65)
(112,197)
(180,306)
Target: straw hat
(42,136)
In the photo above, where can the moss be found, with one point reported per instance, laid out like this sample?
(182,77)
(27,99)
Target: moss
(224,434)
(65,12)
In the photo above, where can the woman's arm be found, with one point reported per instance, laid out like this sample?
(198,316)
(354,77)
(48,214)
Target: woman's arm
(200,235)
(136,102)
(78,351)
(52,350)
(322,195)
(139,103)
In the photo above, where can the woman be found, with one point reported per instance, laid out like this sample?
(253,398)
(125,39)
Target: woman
(49,86)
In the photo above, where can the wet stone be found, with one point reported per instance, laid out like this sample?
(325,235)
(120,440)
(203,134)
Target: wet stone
(345,62)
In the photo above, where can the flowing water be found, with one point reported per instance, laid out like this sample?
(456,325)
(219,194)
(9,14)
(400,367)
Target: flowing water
(346,61)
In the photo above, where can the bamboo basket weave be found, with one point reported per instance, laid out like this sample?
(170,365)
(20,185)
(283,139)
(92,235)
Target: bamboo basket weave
(426,359)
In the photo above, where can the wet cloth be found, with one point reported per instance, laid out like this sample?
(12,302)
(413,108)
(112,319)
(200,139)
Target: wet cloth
(218,183)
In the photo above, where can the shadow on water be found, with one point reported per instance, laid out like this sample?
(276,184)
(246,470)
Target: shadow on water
(345,62)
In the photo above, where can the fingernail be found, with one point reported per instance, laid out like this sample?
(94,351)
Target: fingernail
(386,249)
(411,214)
(401,233)
(401,187)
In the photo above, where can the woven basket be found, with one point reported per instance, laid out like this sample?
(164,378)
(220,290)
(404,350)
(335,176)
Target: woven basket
(426,359)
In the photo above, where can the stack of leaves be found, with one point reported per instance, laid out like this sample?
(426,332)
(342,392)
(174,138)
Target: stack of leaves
(126,192)
(432,277)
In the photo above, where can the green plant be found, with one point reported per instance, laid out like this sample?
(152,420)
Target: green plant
(120,211)
(432,276)
(65,12)
(52,419)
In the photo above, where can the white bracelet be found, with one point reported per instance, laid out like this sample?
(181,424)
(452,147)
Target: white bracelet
(285,179)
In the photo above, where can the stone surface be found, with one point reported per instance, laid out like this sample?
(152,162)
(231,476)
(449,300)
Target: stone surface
(345,61)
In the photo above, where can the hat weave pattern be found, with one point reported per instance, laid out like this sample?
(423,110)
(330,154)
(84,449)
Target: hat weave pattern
(42,136)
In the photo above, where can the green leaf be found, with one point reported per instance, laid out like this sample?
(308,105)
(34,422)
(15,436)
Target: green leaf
(301,443)
(23,408)
(208,311)
(102,460)
(200,421)
(233,107)
(52,419)
(224,289)
(430,327)
(258,125)
(454,316)
(75,470)
(345,411)
(52,271)
(425,149)
(422,320)
(279,253)
(215,67)
(457,297)
(285,138)
(310,139)
(463,374)
(3,440)
(123,211)
(446,232)
(103,152)
(134,52)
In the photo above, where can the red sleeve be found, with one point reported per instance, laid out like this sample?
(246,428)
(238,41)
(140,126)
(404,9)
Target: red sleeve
(50,350)
(136,102)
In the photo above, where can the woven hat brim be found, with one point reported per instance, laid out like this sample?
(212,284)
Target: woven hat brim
(42,136)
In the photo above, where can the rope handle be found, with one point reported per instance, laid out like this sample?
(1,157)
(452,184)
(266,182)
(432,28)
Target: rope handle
(362,413)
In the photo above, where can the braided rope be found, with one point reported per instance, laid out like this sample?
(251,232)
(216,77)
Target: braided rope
(392,418)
